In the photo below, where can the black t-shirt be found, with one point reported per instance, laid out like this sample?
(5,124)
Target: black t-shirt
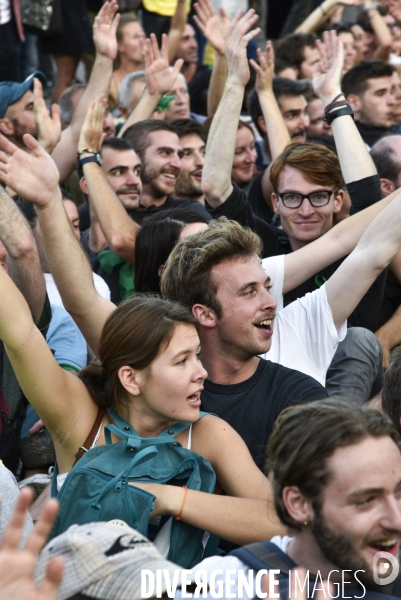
(276,242)
(252,406)
(257,200)
(139,215)
(370,134)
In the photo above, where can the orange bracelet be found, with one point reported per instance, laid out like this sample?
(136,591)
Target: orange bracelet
(178,517)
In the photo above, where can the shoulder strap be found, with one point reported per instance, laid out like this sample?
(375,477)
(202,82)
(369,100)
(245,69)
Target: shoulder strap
(91,436)
(263,554)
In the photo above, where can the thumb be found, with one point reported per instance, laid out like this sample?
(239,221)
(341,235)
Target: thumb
(177,66)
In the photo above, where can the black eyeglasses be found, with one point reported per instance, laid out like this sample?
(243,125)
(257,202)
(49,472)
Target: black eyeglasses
(317,199)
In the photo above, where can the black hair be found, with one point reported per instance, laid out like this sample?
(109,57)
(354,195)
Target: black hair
(291,48)
(282,86)
(28,211)
(115,143)
(355,81)
(188,127)
(138,135)
(154,242)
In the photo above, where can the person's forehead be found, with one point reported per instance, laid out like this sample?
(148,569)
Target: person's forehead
(377,83)
(311,53)
(234,273)
(244,135)
(20,104)
(70,209)
(189,31)
(113,158)
(132,28)
(287,103)
(347,37)
(315,107)
(191,141)
(373,463)
(294,180)
(179,84)
(163,138)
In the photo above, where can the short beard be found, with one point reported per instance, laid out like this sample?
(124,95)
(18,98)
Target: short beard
(338,549)
(184,188)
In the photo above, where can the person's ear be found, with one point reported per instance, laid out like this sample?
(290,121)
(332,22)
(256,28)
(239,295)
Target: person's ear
(298,507)
(131,379)
(83,186)
(206,316)
(387,187)
(338,201)
(262,124)
(355,102)
(275,203)
(6,127)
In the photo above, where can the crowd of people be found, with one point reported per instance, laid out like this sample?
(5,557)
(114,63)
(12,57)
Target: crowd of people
(200,303)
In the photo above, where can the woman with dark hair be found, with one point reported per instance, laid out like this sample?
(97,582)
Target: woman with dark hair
(156,239)
(245,155)
(150,376)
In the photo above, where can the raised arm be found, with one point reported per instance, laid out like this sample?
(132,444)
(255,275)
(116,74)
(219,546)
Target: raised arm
(333,245)
(378,245)
(177,26)
(59,396)
(22,255)
(216,179)
(356,164)
(34,176)
(104,37)
(353,155)
(119,229)
(323,12)
(381,31)
(160,78)
(214,28)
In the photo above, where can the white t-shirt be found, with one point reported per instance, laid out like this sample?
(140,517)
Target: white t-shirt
(54,295)
(5,12)
(305,337)
(225,564)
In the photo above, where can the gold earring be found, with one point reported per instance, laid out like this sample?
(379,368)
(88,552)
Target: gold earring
(305,523)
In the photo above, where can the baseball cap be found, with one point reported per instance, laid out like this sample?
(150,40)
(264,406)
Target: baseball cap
(103,561)
(11,91)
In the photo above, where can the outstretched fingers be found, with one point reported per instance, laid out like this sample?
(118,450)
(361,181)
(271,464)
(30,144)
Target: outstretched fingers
(14,528)
(39,534)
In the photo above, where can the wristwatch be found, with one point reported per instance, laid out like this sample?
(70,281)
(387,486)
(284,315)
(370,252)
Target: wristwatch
(87,159)
(340,112)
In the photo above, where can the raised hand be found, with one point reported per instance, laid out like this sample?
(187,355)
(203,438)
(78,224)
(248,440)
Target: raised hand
(159,77)
(265,69)
(394,8)
(327,76)
(105,28)
(17,567)
(213,27)
(49,126)
(33,175)
(92,130)
(238,36)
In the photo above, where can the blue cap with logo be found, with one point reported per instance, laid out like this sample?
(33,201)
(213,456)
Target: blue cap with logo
(11,91)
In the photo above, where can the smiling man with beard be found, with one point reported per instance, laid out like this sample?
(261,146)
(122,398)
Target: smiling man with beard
(337,488)
(158,146)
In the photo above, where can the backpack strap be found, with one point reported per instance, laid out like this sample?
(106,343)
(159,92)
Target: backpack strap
(91,436)
(264,554)
(124,430)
